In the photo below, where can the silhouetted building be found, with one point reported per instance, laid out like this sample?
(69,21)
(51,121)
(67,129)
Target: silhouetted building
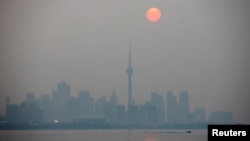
(61,102)
(133,115)
(152,115)
(99,106)
(178,112)
(27,111)
(86,104)
(221,117)
(46,106)
(198,116)
(172,112)
(30,98)
(158,102)
(113,106)
(75,108)
(121,118)
(30,112)
(183,107)
(62,93)
(13,113)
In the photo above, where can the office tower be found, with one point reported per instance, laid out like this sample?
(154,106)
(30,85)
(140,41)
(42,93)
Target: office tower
(199,115)
(63,90)
(61,102)
(114,99)
(45,104)
(152,115)
(99,106)
(133,115)
(183,107)
(158,102)
(13,113)
(113,105)
(62,93)
(172,108)
(86,104)
(30,98)
(121,117)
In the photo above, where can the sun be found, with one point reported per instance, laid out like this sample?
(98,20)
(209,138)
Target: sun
(153,14)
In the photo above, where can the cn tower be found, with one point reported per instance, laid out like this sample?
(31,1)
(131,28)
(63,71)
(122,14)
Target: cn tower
(130,72)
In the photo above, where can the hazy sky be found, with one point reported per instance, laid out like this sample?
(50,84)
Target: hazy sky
(199,46)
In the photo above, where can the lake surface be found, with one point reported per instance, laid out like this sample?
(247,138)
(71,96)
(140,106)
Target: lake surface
(103,135)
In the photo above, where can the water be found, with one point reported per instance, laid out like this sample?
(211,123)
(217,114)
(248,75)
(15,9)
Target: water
(103,135)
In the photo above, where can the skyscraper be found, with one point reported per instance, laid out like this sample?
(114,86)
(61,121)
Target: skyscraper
(130,72)
(172,106)
(183,106)
(61,102)
(158,101)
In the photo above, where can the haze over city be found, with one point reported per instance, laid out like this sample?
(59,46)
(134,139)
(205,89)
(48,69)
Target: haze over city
(199,46)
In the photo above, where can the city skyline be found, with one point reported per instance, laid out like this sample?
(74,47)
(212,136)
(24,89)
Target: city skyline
(61,106)
(63,89)
(197,46)
(167,109)
(131,100)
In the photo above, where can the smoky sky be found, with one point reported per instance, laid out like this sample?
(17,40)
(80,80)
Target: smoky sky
(199,46)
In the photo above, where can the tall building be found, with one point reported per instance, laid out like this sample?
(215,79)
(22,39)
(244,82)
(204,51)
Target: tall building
(61,102)
(62,93)
(114,99)
(133,115)
(183,107)
(199,115)
(86,104)
(172,106)
(121,118)
(130,72)
(113,105)
(30,98)
(99,106)
(158,101)
(45,104)
(63,89)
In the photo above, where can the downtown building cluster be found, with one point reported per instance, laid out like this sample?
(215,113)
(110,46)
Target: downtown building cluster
(62,107)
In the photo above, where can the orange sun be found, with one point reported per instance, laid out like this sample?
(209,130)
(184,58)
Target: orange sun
(153,14)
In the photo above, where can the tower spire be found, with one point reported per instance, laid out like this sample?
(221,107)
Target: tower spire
(130,72)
